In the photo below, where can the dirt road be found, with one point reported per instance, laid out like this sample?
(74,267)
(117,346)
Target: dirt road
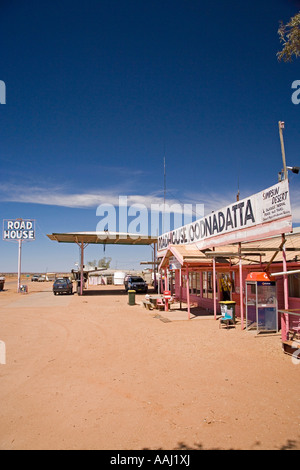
(93,372)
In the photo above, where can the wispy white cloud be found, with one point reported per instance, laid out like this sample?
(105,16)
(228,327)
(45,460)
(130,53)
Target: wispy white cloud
(59,196)
(211,201)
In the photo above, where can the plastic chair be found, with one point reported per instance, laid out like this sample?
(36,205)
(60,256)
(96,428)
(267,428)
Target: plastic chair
(160,304)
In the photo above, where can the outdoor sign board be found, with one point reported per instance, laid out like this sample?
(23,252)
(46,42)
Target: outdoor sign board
(19,229)
(265,213)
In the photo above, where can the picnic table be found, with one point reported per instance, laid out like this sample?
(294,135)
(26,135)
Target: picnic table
(154,301)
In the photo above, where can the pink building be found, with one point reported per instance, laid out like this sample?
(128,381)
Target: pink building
(208,261)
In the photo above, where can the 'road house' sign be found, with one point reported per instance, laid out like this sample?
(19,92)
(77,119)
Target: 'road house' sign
(19,229)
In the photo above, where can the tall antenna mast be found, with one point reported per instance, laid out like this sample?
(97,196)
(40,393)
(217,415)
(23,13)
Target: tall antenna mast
(165,186)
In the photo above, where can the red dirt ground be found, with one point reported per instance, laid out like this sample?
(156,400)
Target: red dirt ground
(93,372)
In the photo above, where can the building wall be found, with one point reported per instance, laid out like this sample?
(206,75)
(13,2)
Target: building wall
(208,303)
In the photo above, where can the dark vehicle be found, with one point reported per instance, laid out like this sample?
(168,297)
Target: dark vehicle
(135,283)
(63,286)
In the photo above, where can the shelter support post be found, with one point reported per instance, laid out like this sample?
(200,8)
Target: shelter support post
(154,266)
(82,246)
(81,267)
(188,292)
(285,322)
(214,288)
(161,281)
(241,293)
(180,292)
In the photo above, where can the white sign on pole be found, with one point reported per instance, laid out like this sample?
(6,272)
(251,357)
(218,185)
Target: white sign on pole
(19,229)
(255,215)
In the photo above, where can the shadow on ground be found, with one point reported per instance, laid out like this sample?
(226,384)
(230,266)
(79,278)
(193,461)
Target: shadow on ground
(289,445)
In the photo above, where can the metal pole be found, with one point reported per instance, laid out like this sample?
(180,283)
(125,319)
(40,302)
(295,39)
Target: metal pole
(285,325)
(285,278)
(19,265)
(281,126)
(296,271)
(81,268)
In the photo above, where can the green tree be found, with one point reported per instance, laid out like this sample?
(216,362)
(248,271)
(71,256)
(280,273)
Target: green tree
(101,263)
(104,262)
(289,35)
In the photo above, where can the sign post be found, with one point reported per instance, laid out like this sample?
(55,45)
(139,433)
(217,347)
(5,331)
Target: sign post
(19,230)
(19,265)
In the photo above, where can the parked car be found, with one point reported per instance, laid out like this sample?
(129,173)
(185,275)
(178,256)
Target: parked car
(136,283)
(63,286)
(35,278)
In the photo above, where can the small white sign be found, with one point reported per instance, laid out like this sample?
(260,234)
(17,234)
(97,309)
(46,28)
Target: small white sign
(19,229)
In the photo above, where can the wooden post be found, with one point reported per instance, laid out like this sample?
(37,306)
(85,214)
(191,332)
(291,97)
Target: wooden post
(188,292)
(214,287)
(154,266)
(241,289)
(180,294)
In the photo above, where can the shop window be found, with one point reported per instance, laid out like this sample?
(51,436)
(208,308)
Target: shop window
(233,282)
(193,283)
(294,285)
(204,283)
(225,286)
(198,284)
(210,285)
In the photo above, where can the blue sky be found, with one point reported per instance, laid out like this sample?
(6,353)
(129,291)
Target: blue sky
(98,92)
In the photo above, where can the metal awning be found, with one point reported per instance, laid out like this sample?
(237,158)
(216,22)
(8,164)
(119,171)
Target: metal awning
(83,239)
(103,238)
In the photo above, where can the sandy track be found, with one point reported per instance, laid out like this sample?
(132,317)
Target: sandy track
(93,372)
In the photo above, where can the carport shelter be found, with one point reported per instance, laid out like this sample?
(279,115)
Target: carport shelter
(83,239)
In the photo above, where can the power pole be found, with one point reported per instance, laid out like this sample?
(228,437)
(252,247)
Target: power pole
(281,127)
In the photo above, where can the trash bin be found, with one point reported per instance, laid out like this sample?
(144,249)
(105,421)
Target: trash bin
(228,308)
(131,297)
